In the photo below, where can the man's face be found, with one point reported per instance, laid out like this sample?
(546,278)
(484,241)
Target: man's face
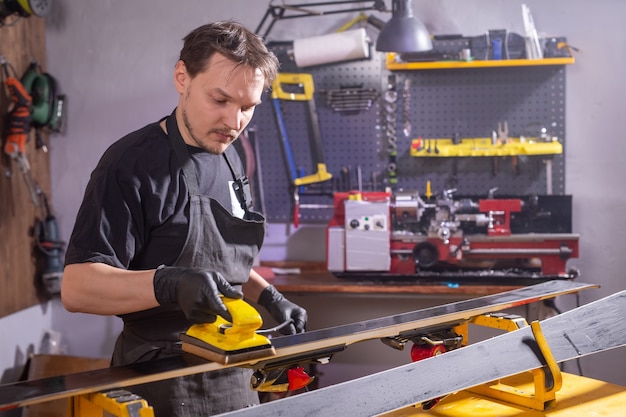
(217,104)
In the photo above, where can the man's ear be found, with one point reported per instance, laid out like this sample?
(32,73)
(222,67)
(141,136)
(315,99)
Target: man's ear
(181,77)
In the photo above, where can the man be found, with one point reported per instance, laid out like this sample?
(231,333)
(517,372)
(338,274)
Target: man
(166,224)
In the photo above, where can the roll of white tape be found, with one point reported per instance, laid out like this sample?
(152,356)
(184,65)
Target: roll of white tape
(335,47)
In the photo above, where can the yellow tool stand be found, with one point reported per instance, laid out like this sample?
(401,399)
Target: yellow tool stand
(578,396)
(539,393)
(119,403)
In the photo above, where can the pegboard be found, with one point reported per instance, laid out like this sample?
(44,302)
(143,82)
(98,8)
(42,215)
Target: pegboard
(438,104)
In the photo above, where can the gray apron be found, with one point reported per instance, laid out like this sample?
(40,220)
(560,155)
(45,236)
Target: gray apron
(215,240)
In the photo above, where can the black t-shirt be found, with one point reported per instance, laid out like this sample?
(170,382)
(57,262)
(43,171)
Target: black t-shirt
(135,211)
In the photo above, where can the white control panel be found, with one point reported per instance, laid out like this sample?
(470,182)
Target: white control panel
(367,235)
(376,222)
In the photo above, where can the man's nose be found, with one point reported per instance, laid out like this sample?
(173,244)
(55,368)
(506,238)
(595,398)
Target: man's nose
(234,119)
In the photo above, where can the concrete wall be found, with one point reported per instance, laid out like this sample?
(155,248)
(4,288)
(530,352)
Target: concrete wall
(114,60)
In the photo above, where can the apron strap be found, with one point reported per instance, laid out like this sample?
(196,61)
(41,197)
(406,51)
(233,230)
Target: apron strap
(241,186)
(182,154)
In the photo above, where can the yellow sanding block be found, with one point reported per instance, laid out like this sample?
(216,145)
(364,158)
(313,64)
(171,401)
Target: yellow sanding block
(226,342)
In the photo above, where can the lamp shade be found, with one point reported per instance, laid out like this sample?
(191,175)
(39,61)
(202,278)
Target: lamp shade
(403,33)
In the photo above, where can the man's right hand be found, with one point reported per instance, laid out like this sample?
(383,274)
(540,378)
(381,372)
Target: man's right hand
(196,291)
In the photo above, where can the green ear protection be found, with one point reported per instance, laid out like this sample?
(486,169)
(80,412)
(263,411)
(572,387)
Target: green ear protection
(47,107)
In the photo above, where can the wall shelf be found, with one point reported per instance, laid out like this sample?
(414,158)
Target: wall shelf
(393,64)
(473,147)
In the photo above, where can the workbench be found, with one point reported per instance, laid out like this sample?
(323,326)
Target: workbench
(325,282)
(313,278)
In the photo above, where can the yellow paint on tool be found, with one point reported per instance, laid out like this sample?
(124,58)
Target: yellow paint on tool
(360,18)
(238,335)
(546,381)
(25,4)
(498,321)
(475,147)
(304,81)
(288,78)
(579,396)
(429,192)
(119,403)
(321,175)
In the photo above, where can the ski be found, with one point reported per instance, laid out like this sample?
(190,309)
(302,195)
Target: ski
(592,328)
(307,346)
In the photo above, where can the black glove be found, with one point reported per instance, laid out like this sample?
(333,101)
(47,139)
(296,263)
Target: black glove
(195,290)
(283,310)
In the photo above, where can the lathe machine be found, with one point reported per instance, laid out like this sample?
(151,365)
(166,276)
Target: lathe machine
(405,234)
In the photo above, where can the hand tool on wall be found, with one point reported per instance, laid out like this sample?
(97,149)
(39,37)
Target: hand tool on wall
(23,8)
(17,129)
(533,46)
(48,107)
(259,174)
(503,139)
(305,83)
(406,108)
(351,99)
(391,118)
(503,133)
(48,243)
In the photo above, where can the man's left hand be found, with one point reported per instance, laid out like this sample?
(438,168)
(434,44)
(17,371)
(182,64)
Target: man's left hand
(283,310)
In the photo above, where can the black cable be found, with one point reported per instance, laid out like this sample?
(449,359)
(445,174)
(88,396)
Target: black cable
(276,328)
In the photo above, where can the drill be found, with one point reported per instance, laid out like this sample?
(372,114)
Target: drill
(47,240)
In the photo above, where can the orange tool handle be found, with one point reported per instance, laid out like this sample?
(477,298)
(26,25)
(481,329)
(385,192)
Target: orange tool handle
(18,127)
(20,118)
(19,95)
(16,143)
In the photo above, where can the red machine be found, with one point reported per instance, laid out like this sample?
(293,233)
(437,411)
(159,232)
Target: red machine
(402,234)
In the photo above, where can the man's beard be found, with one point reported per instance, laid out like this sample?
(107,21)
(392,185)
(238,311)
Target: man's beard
(216,150)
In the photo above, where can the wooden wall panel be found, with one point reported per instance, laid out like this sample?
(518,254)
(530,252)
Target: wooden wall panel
(20,42)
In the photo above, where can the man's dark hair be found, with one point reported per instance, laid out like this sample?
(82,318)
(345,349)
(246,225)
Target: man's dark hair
(232,40)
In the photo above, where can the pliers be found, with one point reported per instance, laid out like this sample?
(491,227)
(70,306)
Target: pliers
(503,133)
(503,139)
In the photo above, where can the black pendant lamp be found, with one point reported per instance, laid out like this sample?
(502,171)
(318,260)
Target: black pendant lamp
(403,33)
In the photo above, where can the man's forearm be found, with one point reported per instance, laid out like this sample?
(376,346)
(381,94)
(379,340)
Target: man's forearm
(97,288)
(255,285)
